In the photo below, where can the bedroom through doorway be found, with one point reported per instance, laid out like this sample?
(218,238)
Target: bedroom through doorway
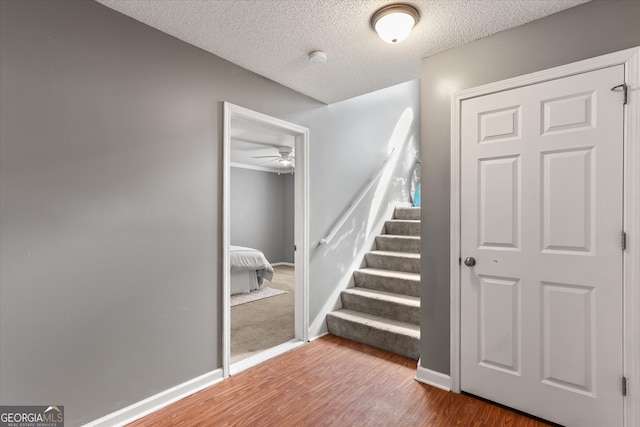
(265,234)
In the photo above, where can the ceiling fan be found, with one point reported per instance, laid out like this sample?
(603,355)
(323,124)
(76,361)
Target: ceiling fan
(285,158)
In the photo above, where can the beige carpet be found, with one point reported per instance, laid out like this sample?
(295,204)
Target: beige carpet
(259,325)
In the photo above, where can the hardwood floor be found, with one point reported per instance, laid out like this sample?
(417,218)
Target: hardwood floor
(332,382)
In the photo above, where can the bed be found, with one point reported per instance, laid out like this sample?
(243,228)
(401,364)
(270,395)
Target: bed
(249,269)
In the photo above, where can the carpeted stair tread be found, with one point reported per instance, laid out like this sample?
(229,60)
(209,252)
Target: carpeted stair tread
(387,334)
(405,275)
(402,227)
(407,213)
(401,282)
(410,255)
(385,296)
(399,236)
(403,308)
(381,323)
(390,260)
(398,243)
(403,221)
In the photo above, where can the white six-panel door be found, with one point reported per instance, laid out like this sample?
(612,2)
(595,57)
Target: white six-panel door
(541,214)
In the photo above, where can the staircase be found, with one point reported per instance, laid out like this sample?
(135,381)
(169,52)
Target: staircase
(383,309)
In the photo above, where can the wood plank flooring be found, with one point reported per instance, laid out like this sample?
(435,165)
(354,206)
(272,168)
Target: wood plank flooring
(332,382)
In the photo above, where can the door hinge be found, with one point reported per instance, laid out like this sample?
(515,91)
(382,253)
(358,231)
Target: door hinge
(623,241)
(621,88)
(624,386)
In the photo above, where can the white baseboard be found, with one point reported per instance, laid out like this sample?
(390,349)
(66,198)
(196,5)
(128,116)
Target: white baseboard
(319,335)
(158,401)
(263,356)
(319,327)
(433,378)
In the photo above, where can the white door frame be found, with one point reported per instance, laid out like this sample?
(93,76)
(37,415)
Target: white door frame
(301,329)
(630,58)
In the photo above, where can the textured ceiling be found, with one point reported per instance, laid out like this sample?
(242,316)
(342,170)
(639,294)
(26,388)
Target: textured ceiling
(274,37)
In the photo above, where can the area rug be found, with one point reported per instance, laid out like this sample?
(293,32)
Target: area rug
(255,296)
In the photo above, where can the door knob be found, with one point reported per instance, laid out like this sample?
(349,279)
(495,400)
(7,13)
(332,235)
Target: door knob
(469,261)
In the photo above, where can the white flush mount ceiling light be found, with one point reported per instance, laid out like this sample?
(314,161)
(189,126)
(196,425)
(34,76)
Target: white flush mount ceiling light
(394,22)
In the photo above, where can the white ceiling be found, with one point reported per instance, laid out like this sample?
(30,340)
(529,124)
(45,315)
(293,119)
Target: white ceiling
(274,37)
(250,142)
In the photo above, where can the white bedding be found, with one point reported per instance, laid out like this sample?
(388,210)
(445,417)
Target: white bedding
(249,269)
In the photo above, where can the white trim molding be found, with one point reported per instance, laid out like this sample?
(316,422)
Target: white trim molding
(158,401)
(301,135)
(433,378)
(630,58)
(263,356)
(631,256)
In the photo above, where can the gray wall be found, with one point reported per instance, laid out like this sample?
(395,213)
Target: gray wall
(110,200)
(288,253)
(589,30)
(260,215)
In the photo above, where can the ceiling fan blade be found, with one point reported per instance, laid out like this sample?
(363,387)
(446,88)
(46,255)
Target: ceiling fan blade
(266,162)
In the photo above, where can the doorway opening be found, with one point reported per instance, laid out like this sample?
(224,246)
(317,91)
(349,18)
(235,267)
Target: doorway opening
(265,235)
